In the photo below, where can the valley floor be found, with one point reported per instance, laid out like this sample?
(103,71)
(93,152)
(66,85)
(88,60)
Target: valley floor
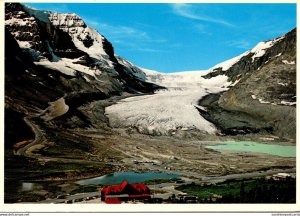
(60,157)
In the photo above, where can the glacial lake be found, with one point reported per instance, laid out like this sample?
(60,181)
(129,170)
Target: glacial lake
(119,177)
(248,146)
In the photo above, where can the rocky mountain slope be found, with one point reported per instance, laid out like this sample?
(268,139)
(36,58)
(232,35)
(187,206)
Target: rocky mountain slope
(263,98)
(60,56)
(58,73)
(49,56)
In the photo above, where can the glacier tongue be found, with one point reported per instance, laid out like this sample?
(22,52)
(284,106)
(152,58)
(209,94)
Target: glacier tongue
(169,110)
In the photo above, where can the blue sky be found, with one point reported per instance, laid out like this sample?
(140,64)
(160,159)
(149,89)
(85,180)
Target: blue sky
(182,37)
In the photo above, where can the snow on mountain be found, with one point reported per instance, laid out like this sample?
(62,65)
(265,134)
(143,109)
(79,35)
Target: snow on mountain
(87,40)
(80,34)
(84,37)
(258,51)
(68,67)
(177,79)
(229,63)
(19,20)
(63,43)
(39,14)
(136,71)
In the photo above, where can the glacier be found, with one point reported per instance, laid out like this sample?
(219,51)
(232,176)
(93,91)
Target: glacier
(169,110)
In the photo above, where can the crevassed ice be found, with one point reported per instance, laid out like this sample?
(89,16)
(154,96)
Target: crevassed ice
(168,110)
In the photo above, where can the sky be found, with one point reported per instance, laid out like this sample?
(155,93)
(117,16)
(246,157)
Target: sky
(182,37)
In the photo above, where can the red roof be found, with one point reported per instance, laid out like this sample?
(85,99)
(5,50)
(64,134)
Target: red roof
(112,201)
(126,188)
(140,187)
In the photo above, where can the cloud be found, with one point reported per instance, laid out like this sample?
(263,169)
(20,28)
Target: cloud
(122,45)
(114,30)
(202,29)
(117,32)
(150,50)
(124,32)
(126,37)
(188,11)
(241,44)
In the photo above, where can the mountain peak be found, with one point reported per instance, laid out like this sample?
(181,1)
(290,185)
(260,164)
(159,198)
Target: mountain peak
(66,20)
(62,42)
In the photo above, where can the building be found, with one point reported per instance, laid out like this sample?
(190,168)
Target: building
(124,192)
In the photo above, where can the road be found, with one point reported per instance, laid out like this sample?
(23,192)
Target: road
(74,198)
(38,137)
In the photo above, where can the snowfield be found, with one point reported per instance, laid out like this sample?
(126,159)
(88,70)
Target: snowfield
(169,110)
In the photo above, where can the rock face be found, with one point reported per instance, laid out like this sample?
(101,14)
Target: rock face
(264,96)
(64,43)
(49,56)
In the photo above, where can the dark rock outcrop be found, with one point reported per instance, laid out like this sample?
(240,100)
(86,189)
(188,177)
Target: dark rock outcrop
(264,98)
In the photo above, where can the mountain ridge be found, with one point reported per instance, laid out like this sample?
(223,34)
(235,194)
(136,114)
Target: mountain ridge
(87,64)
(72,112)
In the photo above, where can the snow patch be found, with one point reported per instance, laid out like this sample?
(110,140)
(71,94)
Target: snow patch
(66,20)
(283,84)
(20,22)
(287,62)
(260,49)
(58,66)
(229,63)
(235,82)
(278,55)
(288,103)
(86,79)
(68,67)
(263,102)
(254,97)
(24,44)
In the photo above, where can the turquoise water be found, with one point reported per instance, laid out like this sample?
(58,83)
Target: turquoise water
(119,177)
(247,146)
